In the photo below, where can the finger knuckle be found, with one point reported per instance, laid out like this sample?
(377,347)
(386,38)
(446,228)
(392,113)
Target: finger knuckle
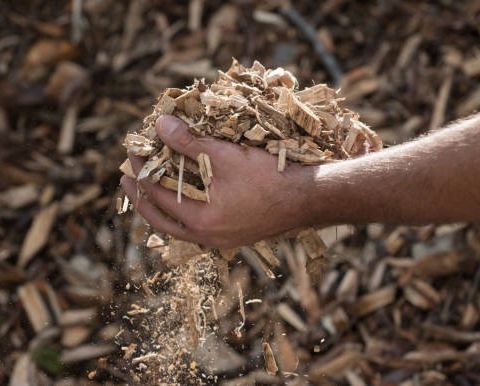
(185,139)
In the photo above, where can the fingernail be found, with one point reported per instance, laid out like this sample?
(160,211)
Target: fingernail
(167,124)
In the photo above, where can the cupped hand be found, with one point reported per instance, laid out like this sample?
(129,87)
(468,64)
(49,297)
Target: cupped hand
(249,199)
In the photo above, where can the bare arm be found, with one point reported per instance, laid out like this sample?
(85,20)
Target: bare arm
(433,179)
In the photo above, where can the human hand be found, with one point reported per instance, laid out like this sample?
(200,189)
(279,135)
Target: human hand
(249,199)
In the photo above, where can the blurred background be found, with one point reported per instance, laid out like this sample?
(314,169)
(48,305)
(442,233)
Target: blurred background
(76,75)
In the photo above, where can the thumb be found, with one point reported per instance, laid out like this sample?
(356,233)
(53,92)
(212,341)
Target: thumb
(174,133)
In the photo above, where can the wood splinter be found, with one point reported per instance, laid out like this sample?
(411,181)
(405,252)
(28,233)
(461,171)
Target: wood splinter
(180,178)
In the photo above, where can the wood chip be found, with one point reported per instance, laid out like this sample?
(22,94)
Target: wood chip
(270,363)
(188,190)
(19,196)
(304,116)
(85,352)
(375,300)
(37,235)
(282,157)
(36,309)
(291,317)
(67,131)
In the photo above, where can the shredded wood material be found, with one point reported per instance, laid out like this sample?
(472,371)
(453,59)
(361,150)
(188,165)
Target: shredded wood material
(107,60)
(254,107)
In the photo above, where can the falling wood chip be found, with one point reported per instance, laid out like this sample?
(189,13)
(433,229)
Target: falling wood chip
(37,235)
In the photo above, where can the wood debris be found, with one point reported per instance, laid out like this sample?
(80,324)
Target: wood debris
(38,234)
(92,69)
(270,363)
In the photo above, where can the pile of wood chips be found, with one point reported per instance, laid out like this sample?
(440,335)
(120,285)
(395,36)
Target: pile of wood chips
(253,107)
(395,305)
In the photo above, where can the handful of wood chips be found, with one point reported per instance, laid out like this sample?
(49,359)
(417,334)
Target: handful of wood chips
(253,107)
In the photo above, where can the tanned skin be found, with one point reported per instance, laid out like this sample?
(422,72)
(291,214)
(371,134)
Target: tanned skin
(434,179)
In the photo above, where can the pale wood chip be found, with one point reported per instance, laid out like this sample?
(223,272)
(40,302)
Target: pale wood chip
(36,309)
(126,168)
(139,145)
(188,190)
(205,169)
(316,94)
(375,300)
(282,157)
(85,352)
(270,362)
(37,235)
(291,317)
(264,249)
(19,196)
(304,116)
(256,134)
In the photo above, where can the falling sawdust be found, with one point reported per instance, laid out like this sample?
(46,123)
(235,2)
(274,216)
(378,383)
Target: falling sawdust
(175,317)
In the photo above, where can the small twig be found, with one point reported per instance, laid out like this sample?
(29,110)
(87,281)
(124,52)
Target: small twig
(180,178)
(328,60)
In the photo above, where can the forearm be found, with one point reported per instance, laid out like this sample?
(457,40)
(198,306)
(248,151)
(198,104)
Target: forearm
(433,179)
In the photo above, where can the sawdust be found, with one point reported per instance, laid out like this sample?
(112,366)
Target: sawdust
(174,315)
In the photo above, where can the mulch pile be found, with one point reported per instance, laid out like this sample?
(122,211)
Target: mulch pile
(394,305)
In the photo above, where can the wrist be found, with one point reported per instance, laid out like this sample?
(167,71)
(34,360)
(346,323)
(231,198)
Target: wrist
(328,196)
